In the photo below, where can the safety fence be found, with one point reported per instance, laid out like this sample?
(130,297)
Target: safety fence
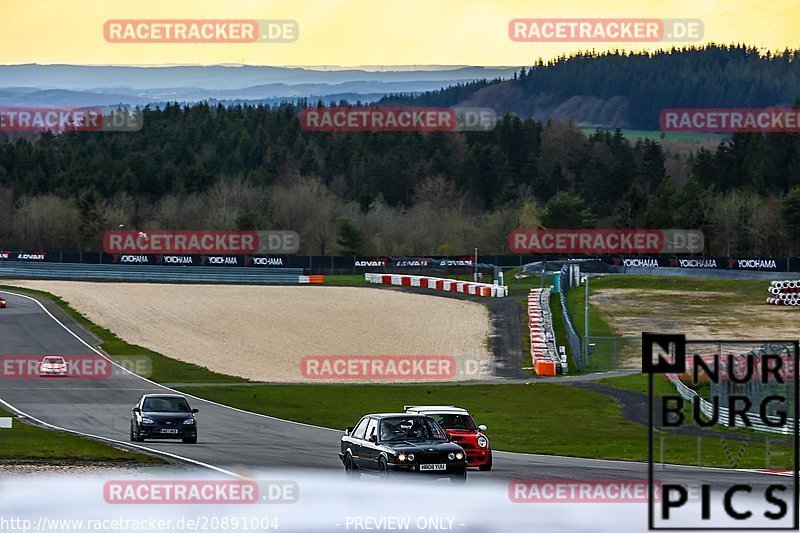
(164,274)
(563,285)
(546,361)
(786,292)
(439,284)
(708,410)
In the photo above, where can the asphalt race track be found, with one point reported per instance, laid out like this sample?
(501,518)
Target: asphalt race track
(235,441)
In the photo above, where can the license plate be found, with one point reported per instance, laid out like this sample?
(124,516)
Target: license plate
(433,467)
(169,431)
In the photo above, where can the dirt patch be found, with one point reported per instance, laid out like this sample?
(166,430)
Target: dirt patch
(263,332)
(697,314)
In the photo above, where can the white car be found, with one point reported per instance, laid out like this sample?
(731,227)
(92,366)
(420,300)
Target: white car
(52,365)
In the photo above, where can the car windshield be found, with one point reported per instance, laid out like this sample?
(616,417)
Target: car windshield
(53,360)
(165,405)
(454,421)
(410,429)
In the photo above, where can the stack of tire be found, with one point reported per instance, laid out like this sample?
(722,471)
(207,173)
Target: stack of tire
(784,293)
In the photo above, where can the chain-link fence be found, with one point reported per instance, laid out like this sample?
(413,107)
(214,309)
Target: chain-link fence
(603,352)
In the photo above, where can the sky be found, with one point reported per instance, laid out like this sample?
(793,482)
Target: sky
(366,32)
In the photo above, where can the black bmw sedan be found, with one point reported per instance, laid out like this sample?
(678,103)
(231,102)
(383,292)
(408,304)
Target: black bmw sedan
(163,416)
(389,443)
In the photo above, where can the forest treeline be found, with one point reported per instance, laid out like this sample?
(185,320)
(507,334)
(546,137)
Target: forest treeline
(629,89)
(391,193)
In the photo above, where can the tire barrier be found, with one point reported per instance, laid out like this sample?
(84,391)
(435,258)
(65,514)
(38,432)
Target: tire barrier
(439,284)
(544,355)
(785,292)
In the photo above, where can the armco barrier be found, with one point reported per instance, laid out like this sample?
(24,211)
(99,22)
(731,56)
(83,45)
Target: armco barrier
(708,410)
(144,273)
(440,284)
(544,355)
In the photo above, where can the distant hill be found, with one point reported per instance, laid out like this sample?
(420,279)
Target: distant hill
(628,90)
(74,85)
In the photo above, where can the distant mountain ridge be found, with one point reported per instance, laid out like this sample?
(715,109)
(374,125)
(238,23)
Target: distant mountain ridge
(77,85)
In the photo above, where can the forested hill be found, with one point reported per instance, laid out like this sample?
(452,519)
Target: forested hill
(628,90)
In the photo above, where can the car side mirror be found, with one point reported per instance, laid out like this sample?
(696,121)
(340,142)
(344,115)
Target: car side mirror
(195,411)
(348,431)
(136,410)
(482,427)
(373,438)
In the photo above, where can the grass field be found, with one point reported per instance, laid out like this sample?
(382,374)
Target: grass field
(697,307)
(674,136)
(25,443)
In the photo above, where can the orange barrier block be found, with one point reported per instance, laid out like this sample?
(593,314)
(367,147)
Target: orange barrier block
(545,368)
(316,279)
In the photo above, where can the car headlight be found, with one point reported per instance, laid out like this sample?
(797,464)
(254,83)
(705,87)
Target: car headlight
(188,422)
(411,457)
(401,457)
(483,442)
(459,455)
(146,420)
(451,456)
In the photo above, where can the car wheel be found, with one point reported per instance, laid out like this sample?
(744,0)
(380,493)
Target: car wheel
(135,437)
(488,465)
(459,479)
(350,470)
(383,468)
(190,440)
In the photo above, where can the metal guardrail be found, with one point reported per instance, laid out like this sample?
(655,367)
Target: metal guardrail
(708,410)
(574,339)
(144,273)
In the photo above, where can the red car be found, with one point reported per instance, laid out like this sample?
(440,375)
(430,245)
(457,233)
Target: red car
(461,429)
(2,302)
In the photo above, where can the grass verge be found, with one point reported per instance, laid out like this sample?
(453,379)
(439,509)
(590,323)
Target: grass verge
(585,424)
(26,443)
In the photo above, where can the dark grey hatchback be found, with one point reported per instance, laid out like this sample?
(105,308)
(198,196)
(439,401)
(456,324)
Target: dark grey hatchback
(163,416)
(387,443)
